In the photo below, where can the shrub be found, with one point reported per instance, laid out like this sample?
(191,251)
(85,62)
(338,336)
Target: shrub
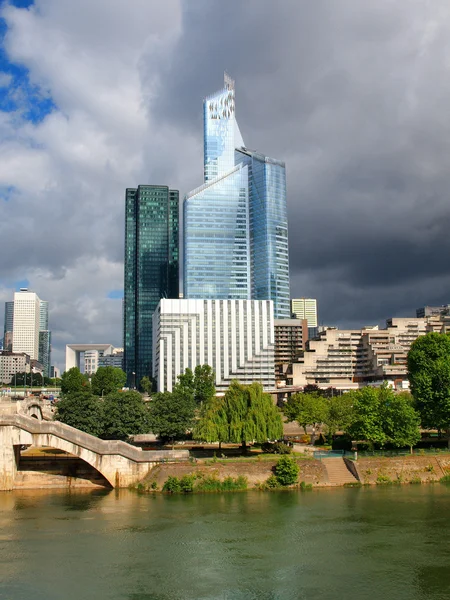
(383,479)
(172,485)
(187,483)
(272,482)
(445,479)
(212,484)
(286,470)
(415,479)
(276,448)
(305,487)
(154,485)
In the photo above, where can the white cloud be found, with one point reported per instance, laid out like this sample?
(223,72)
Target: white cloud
(69,171)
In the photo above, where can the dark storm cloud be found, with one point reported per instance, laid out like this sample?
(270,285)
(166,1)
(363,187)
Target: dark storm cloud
(354,97)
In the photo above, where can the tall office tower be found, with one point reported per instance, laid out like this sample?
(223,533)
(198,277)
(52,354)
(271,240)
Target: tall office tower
(45,338)
(27,307)
(8,326)
(151,269)
(235,224)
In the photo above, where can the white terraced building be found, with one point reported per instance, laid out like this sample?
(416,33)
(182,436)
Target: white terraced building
(234,337)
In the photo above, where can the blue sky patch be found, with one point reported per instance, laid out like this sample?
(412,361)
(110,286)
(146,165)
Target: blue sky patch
(115,295)
(21,95)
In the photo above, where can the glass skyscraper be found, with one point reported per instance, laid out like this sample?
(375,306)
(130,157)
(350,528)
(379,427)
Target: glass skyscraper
(235,224)
(151,269)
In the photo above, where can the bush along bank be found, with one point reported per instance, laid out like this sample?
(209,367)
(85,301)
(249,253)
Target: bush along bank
(283,474)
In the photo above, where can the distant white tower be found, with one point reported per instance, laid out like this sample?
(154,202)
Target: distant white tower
(27,309)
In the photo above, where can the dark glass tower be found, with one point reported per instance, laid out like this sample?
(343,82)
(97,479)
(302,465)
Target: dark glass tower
(151,269)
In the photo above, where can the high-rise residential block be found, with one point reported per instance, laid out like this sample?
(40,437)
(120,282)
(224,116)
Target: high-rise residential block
(27,306)
(235,224)
(234,337)
(151,269)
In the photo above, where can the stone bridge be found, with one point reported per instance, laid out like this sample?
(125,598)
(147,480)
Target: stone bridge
(120,463)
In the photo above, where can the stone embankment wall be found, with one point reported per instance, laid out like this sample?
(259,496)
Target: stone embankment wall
(311,471)
(404,469)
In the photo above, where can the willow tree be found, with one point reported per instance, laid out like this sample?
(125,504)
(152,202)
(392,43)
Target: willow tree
(243,414)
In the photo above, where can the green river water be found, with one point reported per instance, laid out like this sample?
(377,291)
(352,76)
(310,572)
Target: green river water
(373,543)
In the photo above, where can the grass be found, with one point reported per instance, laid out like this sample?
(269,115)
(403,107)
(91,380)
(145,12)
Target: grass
(250,459)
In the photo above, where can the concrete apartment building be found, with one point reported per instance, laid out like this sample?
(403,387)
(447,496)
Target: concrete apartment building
(350,359)
(12,363)
(291,336)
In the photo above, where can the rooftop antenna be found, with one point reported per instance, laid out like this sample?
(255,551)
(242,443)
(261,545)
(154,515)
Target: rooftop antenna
(228,81)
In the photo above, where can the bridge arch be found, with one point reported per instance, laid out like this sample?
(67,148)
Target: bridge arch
(120,464)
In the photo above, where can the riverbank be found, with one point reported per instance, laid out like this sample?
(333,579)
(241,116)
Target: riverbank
(62,472)
(333,472)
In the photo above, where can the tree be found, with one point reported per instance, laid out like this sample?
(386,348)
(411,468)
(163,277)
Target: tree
(308,410)
(401,423)
(339,415)
(146,385)
(81,409)
(124,414)
(107,380)
(212,425)
(204,384)
(200,383)
(171,414)
(73,381)
(366,424)
(429,377)
(244,414)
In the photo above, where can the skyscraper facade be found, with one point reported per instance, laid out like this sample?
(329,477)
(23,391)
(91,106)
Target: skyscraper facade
(151,269)
(27,306)
(45,338)
(8,326)
(235,224)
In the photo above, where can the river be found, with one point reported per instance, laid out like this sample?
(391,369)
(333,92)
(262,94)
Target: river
(384,542)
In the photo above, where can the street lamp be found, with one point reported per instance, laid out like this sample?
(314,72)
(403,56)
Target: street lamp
(15,376)
(133,383)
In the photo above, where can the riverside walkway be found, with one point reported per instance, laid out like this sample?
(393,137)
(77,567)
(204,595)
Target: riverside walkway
(120,463)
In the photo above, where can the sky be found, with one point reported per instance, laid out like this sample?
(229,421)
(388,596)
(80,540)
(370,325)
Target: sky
(100,95)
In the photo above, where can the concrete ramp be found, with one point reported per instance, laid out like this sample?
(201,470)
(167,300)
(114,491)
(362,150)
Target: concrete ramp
(338,472)
(120,463)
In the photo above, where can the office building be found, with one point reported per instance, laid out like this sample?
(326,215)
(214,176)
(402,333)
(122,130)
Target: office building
(234,337)
(45,339)
(235,224)
(27,306)
(306,308)
(12,363)
(54,372)
(115,359)
(151,269)
(8,326)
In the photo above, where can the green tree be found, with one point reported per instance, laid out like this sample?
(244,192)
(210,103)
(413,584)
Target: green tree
(81,409)
(244,414)
(146,385)
(171,414)
(308,410)
(286,470)
(73,381)
(367,424)
(124,414)
(107,380)
(204,384)
(339,415)
(401,423)
(429,377)
(212,425)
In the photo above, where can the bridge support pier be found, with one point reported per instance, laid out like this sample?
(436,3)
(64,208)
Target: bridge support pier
(10,442)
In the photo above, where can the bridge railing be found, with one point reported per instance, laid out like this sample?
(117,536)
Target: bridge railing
(90,442)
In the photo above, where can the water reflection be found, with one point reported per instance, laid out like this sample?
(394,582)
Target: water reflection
(341,543)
